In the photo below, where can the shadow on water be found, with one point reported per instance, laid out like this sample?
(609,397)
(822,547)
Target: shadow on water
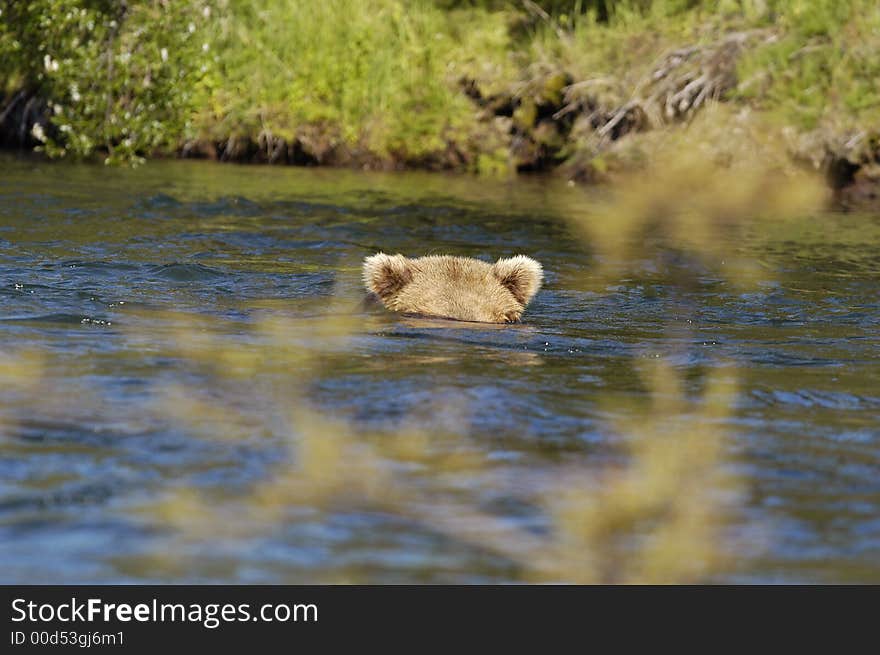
(97,266)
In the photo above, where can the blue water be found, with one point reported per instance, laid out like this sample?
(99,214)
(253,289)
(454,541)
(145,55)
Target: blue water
(103,270)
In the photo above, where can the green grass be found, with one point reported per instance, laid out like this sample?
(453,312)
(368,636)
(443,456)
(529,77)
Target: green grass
(822,72)
(809,68)
(378,76)
(821,57)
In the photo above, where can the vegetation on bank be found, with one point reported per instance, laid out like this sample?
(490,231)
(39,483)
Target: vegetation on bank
(116,78)
(482,85)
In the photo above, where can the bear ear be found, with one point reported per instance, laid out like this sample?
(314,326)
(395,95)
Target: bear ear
(385,275)
(521,275)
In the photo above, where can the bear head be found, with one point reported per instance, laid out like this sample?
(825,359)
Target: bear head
(460,288)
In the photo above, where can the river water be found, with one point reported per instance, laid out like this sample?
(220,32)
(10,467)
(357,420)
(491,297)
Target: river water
(98,265)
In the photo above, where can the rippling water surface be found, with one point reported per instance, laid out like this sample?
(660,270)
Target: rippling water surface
(95,262)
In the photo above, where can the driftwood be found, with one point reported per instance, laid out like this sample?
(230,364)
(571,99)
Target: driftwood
(676,86)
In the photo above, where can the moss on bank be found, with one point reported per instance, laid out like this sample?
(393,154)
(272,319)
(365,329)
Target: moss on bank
(579,86)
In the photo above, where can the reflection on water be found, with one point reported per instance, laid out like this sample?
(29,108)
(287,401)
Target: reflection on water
(97,266)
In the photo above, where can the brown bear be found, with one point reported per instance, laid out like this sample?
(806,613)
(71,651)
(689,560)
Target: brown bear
(460,288)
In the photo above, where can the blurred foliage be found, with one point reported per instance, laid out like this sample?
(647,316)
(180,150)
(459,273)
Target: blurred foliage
(657,517)
(683,186)
(659,520)
(655,511)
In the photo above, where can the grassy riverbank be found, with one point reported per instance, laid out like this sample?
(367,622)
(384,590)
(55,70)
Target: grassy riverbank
(585,87)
